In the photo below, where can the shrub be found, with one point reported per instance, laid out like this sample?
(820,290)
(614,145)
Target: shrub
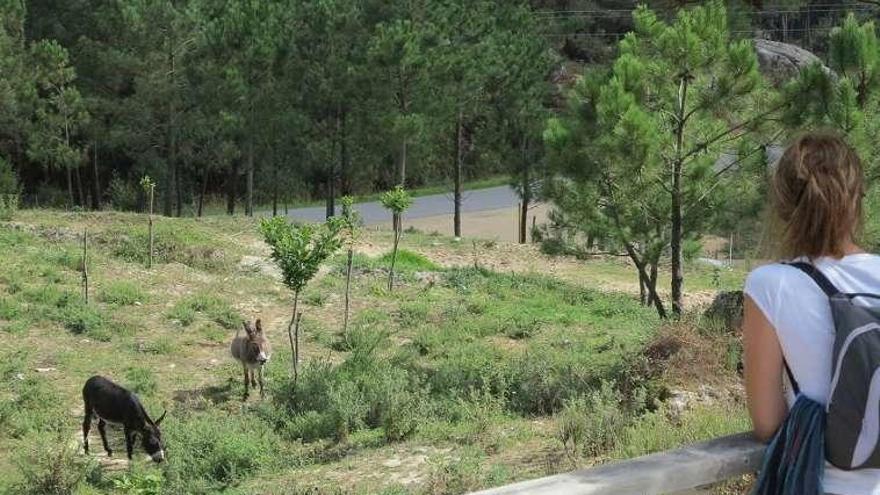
(171,244)
(33,407)
(123,194)
(216,309)
(139,483)
(461,475)
(212,450)
(51,465)
(122,293)
(592,424)
(141,380)
(9,190)
(84,320)
(410,261)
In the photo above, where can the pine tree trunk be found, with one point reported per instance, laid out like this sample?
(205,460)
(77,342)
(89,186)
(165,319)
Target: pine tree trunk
(459,158)
(677,228)
(231,189)
(249,202)
(67,168)
(344,173)
(403,156)
(526,195)
(96,186)
(81,198)
(203,192)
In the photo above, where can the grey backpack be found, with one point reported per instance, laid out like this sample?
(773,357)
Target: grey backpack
(852,423)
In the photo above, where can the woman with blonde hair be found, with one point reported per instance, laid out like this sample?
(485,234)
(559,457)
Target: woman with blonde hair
(795,348)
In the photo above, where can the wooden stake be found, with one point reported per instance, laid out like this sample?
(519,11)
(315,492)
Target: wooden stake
(150,257)
(85,265)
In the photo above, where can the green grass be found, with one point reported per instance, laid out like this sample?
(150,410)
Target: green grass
(466,371)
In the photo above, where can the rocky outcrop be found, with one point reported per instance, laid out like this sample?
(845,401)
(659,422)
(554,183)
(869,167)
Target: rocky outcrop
(727,310)
(779,61)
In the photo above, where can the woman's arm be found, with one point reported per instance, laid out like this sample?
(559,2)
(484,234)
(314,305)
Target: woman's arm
(763,372)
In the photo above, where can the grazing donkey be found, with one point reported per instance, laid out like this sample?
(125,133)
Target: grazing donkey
(114,404)
(252,351)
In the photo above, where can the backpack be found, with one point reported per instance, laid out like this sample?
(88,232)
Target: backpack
(852,420)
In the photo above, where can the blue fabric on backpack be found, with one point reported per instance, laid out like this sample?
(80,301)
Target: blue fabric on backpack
(794,462)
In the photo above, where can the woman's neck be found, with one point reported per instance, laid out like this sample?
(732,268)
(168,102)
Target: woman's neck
(849,247)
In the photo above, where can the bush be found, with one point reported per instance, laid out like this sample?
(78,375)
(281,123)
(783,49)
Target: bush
(122,293)
(141,380)
(216,309)
(123,194)
(80,319)
(410,261)
(51,465)
(171,244)
(592,424)
(211,450)
(9,190)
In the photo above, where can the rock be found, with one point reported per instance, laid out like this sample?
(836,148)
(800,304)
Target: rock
(19,376)
(727,309)
(45,370)
(392,463)
(779,61)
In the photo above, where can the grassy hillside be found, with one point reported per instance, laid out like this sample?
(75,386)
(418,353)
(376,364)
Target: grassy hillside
(464,377)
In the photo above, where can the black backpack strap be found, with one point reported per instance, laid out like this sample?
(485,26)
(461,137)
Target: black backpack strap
(794,383)
(821,280)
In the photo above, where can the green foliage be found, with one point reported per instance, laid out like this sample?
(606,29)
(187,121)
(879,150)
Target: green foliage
(51,465)
(299,250)
(411,261)
(139,484)
(397,200)
(123,195)
(593,424)
(214,308)
(213,450)
(122,293)
(141,380)
(191,247)
(9,190)
(623,178)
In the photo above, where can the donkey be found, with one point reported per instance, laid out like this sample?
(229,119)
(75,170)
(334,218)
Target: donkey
(253,351)
(114,404)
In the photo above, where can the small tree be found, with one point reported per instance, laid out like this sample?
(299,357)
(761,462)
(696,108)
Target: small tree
(351,223)
(398,201)
(299,250)
(149,190)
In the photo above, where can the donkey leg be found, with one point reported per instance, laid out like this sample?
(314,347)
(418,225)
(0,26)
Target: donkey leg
(103,432)
(129,441)
(260,376)
(246,381)
(87,425)
(253,378)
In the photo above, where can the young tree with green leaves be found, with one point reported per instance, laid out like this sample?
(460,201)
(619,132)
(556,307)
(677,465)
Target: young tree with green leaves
(299,251)
(59,116)
(845,96)
(397,200)
(351,226)
(642,140)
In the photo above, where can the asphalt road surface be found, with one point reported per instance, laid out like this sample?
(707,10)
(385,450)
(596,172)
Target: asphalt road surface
(493,198)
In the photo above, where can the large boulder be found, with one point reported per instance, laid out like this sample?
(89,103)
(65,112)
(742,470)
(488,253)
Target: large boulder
(727,310)
(779,61)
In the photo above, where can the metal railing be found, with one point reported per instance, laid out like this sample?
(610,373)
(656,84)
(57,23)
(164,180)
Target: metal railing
(685,470)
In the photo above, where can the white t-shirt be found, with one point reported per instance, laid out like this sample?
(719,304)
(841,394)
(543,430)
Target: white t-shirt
(799,311)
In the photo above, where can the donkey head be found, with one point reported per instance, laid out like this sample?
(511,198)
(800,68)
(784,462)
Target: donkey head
(257,348)
(151,439)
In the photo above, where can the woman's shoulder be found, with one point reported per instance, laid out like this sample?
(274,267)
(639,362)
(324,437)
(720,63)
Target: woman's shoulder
(772,273)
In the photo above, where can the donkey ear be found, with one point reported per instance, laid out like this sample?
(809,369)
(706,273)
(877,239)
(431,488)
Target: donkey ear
(248,329)
(259,326)
(162,417)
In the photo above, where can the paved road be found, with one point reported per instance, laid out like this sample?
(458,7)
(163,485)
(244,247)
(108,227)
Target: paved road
(492,198)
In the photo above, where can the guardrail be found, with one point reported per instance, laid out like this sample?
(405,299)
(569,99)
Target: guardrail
(685,470)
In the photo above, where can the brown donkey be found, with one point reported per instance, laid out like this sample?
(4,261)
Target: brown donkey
(252,351)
